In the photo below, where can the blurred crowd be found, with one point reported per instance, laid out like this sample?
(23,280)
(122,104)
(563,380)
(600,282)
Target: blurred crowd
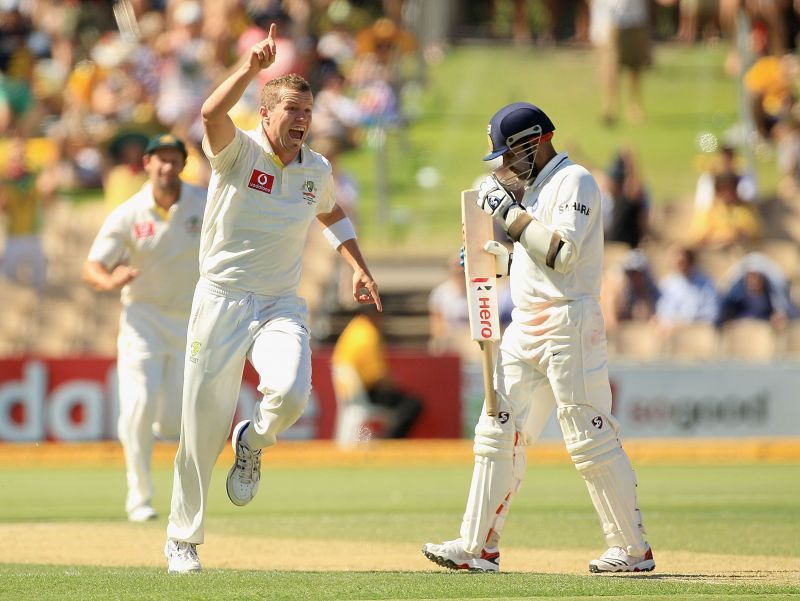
(84,83)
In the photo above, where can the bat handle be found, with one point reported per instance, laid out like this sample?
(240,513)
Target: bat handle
(488,378)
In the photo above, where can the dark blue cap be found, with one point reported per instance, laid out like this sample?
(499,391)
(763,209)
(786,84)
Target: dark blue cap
(515,122)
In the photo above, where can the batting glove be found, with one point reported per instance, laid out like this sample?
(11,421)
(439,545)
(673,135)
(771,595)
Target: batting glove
(502,258)
(494,199)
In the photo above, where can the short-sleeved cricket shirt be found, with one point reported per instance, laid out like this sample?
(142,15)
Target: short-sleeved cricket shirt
(258,214)
(163,245)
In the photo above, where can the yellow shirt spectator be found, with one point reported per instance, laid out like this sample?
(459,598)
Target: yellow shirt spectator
(728,220)
(23,206)
(360,345)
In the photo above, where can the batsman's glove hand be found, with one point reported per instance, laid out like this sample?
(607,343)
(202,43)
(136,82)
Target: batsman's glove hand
(494,199)
(502,257)
(498,202)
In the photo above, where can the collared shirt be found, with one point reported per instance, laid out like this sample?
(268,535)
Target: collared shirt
(258,214)
(162,245)
(565,198)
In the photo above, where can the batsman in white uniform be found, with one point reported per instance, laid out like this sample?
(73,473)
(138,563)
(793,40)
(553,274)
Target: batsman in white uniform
(553,354)
(266,187)
(148,247)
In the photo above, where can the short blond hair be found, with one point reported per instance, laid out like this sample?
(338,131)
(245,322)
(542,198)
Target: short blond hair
(271,93)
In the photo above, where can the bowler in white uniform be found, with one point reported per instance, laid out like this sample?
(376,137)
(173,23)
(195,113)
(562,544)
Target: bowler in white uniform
(553,354)
(266,187)
(148,247)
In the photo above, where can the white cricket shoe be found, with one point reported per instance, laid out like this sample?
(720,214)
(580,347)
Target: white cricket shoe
(143,513)
(451,554)
(181,557)
(244,476)
(616,559)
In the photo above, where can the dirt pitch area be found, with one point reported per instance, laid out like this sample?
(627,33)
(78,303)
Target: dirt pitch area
(119,545)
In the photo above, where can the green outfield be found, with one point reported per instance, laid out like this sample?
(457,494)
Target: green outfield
(354,532)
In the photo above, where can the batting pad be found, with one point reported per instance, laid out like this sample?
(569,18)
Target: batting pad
(592,442)
(496,478)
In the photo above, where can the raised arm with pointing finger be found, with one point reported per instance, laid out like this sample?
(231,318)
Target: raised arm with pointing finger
(266,187)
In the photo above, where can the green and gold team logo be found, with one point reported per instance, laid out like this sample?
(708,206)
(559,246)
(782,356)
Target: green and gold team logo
(308,192)
(194,351)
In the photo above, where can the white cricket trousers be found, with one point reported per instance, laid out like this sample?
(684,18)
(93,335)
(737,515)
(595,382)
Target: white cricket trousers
(150,349)
(226,327)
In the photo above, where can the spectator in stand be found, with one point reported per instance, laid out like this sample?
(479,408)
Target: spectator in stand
(629,291)
(729,221)
(725,163)
(449,312)
(629,213)
(687,294)
(768,83)
(24,196)
(787,142)
(757,289)
(620,29)
(336,115)
(19,108)
(381,69)
(188,70)
(361,347)
(337,24)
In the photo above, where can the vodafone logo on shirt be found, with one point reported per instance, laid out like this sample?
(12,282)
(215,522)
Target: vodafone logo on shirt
(261,181)
(144,229)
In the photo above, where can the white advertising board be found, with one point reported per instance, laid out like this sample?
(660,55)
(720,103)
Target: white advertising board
(709,400)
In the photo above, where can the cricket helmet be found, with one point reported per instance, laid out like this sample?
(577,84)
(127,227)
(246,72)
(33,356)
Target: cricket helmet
(515,122)
(516,130)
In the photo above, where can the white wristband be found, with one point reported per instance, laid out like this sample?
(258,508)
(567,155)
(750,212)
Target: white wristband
(340,232)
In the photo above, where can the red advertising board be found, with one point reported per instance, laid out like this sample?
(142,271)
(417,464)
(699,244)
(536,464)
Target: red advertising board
(75,399)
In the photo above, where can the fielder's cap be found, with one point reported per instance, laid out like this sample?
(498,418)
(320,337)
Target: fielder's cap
(165,141)
(513,123)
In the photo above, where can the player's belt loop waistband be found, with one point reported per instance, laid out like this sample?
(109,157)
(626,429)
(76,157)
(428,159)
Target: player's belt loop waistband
(218,290)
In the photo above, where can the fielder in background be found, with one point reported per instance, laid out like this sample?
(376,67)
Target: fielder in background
(148,248)
(552,355)
(266,188)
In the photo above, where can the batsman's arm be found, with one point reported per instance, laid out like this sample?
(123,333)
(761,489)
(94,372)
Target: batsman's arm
(541,241)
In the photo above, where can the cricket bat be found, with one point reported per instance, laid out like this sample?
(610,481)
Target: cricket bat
(479,271)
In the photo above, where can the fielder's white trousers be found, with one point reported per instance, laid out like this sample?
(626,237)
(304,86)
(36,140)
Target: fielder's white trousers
(226,327)
(150,349)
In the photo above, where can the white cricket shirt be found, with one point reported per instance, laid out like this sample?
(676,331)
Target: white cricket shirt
(258,213)
(565,197)
(163,245)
